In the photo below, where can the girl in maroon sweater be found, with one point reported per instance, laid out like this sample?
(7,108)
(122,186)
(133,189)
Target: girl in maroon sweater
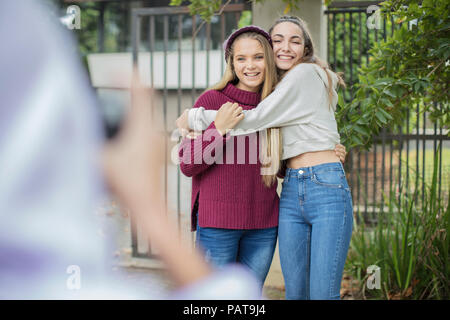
(234,213)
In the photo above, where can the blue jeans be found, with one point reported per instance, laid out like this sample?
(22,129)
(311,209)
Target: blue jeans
(253,248)
(314,231)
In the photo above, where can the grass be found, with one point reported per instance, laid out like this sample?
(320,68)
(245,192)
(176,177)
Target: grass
(411,160)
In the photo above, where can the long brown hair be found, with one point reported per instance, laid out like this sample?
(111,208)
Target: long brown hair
(309,55)
(271,140)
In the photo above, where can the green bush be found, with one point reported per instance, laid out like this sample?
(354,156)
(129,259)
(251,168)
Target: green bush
(409,67)
(410,244)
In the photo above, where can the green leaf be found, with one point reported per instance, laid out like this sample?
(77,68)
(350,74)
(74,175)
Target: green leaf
(389,93)
(380,116)
(385,113)
(417,86)
(362,130)
(341,99)
(175,2)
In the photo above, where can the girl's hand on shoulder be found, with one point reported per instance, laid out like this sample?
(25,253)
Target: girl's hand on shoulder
(228,116)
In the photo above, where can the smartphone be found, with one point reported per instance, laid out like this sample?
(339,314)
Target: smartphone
(113,105)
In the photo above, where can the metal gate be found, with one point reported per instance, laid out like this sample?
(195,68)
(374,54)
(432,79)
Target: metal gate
(401,158)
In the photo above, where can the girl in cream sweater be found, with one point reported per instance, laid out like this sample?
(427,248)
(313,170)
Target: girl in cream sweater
(316,215)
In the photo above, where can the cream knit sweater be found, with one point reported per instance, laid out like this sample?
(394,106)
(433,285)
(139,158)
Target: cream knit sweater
(299,105)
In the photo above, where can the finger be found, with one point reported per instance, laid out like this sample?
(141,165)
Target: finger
(237,111)
(226,105)
(237,107)
(141,99)
(239,117)
(181,119)
(183,132)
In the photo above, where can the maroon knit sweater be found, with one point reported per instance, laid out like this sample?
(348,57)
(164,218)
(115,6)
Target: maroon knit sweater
(230,196)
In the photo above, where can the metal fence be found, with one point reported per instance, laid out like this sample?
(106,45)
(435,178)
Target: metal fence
(402,157)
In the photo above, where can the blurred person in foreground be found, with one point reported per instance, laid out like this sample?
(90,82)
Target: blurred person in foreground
(51,180)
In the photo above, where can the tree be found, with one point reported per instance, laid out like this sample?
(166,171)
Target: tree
(410,67)
(208,8)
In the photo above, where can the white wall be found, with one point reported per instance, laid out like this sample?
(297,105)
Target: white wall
(114,70)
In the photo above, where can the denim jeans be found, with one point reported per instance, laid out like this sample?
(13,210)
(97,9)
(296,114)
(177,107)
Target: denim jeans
(253,248)
(314,231)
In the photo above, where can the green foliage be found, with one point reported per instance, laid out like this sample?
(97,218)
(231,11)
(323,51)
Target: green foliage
(87,35)
(245,19)
(410,244)
(207,8)
(409,67)
(349,42)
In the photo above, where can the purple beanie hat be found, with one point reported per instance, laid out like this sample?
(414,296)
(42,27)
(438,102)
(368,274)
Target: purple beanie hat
(227,44)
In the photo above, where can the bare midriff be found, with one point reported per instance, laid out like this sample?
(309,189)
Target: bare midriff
(310,159)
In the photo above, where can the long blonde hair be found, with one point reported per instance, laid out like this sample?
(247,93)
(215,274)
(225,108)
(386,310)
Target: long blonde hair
(272,138)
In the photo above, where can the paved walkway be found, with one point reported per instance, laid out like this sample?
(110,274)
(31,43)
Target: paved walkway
(151,279)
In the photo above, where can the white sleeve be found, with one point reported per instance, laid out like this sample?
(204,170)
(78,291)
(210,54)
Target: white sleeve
(294,101)
(200,119)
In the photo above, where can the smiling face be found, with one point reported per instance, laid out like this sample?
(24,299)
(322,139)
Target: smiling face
(288,45)
(248,64)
